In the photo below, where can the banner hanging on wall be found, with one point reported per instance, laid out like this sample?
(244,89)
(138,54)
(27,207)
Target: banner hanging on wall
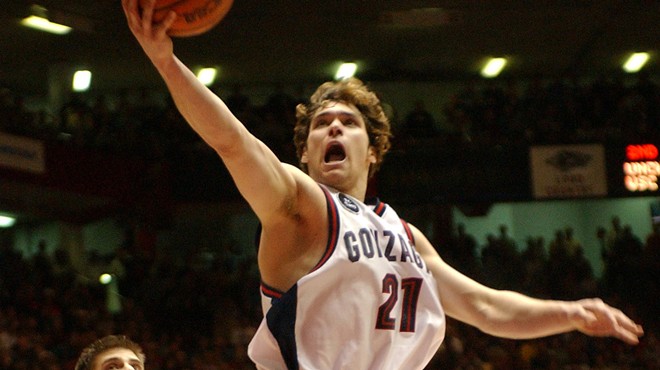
(22,153)
(568,171)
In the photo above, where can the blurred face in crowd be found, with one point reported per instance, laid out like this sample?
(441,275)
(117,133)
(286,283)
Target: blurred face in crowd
(111,352)
(118,359)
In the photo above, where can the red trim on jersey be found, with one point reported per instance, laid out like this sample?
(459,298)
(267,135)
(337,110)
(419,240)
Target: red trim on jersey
(379,209)
(411,239)
(333,229)
(270,292)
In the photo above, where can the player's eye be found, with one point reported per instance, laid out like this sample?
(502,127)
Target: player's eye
(321,122)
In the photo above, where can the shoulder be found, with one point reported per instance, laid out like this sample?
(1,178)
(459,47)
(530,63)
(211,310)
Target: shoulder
(291,244)
(305,199)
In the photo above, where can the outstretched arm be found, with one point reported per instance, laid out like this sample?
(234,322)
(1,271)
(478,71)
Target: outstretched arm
(266,183)
(513,315)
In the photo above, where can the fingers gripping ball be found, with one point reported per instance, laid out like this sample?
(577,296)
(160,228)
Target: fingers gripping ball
(194,17)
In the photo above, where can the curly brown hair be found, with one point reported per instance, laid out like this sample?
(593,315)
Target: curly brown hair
(348,91)
(89,354)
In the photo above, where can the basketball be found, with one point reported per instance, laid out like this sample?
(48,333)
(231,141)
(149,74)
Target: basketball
(194,17)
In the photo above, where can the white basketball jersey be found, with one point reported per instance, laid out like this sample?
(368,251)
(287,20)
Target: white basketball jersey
(370,302)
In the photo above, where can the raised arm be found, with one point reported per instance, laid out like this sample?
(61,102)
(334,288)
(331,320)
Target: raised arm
(513,315)
(266,183)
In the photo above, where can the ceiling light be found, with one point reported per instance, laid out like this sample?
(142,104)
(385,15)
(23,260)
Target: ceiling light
(7,221)
(346,70)
(635,62)
(82,80)
(43,24)
(493,67)
(207,76)
(105,279)
(39,20)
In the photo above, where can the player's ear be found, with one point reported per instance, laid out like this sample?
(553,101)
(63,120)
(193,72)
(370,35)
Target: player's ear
(372,155)
(303,156)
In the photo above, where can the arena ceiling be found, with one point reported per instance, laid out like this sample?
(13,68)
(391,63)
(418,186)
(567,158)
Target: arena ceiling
(293,41)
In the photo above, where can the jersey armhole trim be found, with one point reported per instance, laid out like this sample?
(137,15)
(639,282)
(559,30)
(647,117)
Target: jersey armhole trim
(333,228)
(380,208)
(270,292)
(406,227)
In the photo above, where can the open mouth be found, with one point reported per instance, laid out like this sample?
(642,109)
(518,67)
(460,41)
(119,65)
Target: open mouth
(334,153)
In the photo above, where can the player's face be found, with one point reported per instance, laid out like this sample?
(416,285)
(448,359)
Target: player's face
(118,358)
(338,149)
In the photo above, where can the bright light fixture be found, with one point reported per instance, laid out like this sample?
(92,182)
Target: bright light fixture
(207,75)
(493,67)
(346,70)
(82,80)
(635,62)
(7,221)
(105,279)
(43,24)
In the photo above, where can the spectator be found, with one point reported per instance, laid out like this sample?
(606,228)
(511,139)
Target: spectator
(534,261)
(419,123)
(463,251)
(573,246)
(237,101)
(111,352)
(76,120)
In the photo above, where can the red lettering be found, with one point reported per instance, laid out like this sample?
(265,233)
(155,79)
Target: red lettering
(639,152)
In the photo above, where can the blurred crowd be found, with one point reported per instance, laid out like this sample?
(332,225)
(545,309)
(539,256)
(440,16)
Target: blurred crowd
(540,111)
(487,112)
(557,269)
(193,314)
(141,123)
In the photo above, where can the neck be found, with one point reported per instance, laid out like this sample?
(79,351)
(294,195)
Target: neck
(357,190)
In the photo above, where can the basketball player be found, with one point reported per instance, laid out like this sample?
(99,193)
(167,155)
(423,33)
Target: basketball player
(346,284)
(113,352)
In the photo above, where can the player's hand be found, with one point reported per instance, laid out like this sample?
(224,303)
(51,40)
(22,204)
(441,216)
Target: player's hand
(594,317)
(151,35)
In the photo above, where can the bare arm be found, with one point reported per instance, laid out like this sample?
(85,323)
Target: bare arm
(268,185)
(512,315)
